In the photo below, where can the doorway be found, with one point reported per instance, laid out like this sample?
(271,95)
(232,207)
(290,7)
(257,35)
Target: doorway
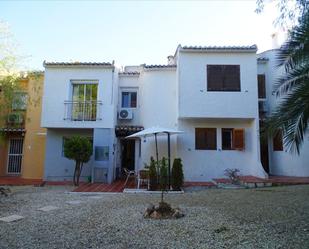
(15,155)
(264,149)
(128,154)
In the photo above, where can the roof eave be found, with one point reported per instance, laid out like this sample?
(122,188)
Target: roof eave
(77,65)
(193,50)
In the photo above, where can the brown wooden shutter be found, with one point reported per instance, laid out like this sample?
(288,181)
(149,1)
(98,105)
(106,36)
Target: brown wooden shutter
(277,141)
(231,80)
(261,86)
(200,142)
(239,139)
(205,138)
(211,138)
(214,77)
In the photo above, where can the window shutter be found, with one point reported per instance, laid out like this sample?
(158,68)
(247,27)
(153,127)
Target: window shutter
(261,86)
(239,139)
(214,78)
(205,138)
(231,78)
(211,138)
(199,139)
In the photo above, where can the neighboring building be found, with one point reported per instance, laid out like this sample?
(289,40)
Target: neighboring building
(274,156)
(22,145)
(210,93)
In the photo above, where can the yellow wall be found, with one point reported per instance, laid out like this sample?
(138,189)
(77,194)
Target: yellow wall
(34,141)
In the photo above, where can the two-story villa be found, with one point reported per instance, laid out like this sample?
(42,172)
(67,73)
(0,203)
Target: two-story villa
(209,93)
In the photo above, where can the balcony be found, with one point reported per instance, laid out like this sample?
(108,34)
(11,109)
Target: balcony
(82,110)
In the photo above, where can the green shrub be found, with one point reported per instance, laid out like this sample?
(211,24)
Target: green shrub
(152,175)
(177,174)
(163,174)
(78,149)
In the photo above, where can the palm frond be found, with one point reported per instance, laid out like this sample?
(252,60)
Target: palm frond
(292,114)
(290,79)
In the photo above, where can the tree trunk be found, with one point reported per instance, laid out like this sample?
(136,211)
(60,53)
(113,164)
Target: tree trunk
(162,197)
(74,176)
(79,172)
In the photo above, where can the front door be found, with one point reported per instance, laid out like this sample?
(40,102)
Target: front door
(128,154)
(15,155)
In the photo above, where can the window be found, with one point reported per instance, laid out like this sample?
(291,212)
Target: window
(205,138)
(233,139)
(85,92)
(227,139)
(223,78)
(66,138)
(19,101)
(129,99)
(84,101)
(101,153)
(278,142)
(261,86)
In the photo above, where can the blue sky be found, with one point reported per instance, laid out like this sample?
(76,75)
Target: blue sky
(130,32)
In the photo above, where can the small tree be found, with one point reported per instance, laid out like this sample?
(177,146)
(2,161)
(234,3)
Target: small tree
(177,174)
(163,177)
(152,174)
(78,149)
(163,174)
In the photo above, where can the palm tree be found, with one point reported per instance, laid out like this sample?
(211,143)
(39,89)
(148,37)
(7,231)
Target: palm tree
(292,114)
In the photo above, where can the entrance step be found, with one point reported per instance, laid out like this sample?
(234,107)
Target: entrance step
(245,181)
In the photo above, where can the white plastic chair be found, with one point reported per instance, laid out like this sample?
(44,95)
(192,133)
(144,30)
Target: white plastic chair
(143,177)
(129,173)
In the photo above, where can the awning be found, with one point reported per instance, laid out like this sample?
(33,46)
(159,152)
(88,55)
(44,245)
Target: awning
(12,130)
(155,130)
(127,130)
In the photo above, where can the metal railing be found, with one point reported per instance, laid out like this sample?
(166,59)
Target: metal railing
(82,110)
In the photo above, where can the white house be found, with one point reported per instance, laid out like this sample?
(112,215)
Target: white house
(210,93)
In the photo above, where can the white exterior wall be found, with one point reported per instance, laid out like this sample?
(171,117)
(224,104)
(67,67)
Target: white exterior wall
(130,83)
(58,89)
(158,102)
(57,167)
(195,101)
(204,165)
(282,162)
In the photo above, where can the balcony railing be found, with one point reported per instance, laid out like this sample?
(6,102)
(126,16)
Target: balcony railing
(82,110)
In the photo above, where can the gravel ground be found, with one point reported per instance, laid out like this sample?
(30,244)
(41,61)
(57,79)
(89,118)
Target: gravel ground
(275,217)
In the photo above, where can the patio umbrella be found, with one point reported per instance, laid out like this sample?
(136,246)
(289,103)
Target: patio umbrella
(155,131)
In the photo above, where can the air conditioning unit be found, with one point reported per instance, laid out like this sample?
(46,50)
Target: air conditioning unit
(263,106)
(125,114)
(15,118)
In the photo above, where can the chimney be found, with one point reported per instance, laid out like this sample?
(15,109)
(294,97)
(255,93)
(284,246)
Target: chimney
(170,60)
(275,40)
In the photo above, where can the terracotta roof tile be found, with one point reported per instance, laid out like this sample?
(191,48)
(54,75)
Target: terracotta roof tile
(129,73)
(159,66)
(45,63)
(221,48)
